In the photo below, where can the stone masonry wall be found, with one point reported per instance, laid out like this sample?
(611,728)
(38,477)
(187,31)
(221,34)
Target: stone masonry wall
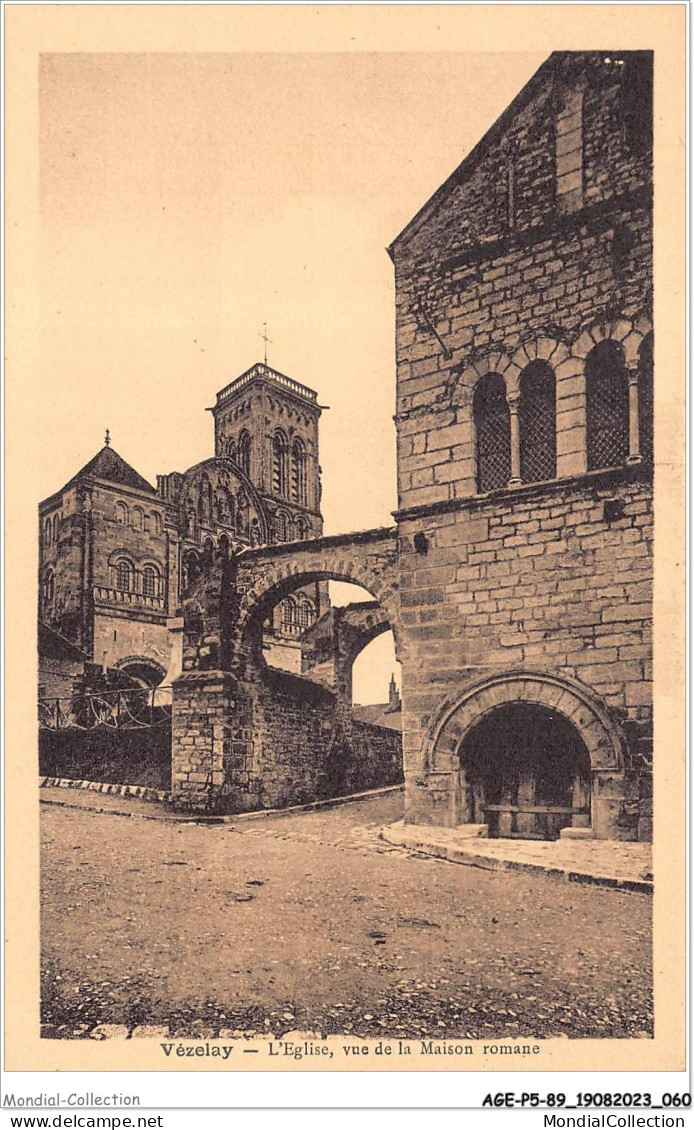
(471,281)
(270,742)
(538,247)
(537,579)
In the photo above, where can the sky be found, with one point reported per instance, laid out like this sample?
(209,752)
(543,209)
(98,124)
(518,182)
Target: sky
(186,199)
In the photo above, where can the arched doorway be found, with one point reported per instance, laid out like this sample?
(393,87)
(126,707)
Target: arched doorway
(546,722)
(525,772)
(142,671)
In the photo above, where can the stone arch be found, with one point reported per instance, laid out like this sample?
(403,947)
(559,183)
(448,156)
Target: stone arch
(455,718)
(220,469)
(291,573)
(144,670)
(539,349)
(496,362)
(627,333)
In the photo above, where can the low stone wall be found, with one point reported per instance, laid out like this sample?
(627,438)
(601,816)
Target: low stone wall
(119,757)
(276,740)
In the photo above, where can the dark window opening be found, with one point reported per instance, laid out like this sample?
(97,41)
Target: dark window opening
(493,433)
(607,407)
(537,423)
(646,406)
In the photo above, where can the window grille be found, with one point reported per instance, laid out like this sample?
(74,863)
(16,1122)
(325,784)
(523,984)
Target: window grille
(646,399)
(493,433)
(281,527)
(149,580)
(124,576)
(289,614)
(537,419)
(307,614)
(607,407)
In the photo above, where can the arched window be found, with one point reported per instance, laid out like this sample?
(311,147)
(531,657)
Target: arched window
(230,449)
(48,586)
(646,399)
(191,568)
(124,576)
(157,522)
(224,548)
(150,581)
(208,551)
(289,614)
(138,518)
(299,476)
(301,527)
(244,455)
(242,514)
(281,526)
(607,406)
(307,614)
(492,433)
(280,463)
(537,420)
(56,524)
(47,532)
(122,513)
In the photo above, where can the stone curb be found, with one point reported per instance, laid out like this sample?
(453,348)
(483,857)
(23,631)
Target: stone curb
(140,792)
(192,818)
(493,863)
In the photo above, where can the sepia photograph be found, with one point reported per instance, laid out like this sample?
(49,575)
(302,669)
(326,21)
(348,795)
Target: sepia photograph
(345,474)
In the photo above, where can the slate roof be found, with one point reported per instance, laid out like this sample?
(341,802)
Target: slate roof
(109,465)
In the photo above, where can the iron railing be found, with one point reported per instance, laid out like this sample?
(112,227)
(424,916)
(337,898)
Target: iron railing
(133,709)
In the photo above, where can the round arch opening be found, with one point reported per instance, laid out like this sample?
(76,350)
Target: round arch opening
(273,623)
(143,672)
(525,772)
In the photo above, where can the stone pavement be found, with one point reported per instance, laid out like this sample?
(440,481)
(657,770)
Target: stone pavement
(604,862)
(69,794)
(312,923)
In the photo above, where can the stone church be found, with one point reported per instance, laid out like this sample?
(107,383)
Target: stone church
(116,553)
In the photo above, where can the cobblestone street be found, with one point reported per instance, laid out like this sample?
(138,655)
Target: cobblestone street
(312,923)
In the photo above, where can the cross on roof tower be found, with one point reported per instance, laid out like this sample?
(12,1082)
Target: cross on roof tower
(266,340)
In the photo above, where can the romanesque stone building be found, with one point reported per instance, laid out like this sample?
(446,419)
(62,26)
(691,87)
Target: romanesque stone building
(518,578)
(525,451)
(115,554)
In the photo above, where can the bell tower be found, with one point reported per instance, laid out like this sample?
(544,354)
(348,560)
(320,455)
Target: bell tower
(268,424)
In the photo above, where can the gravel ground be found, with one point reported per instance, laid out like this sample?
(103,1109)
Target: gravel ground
(312,923)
